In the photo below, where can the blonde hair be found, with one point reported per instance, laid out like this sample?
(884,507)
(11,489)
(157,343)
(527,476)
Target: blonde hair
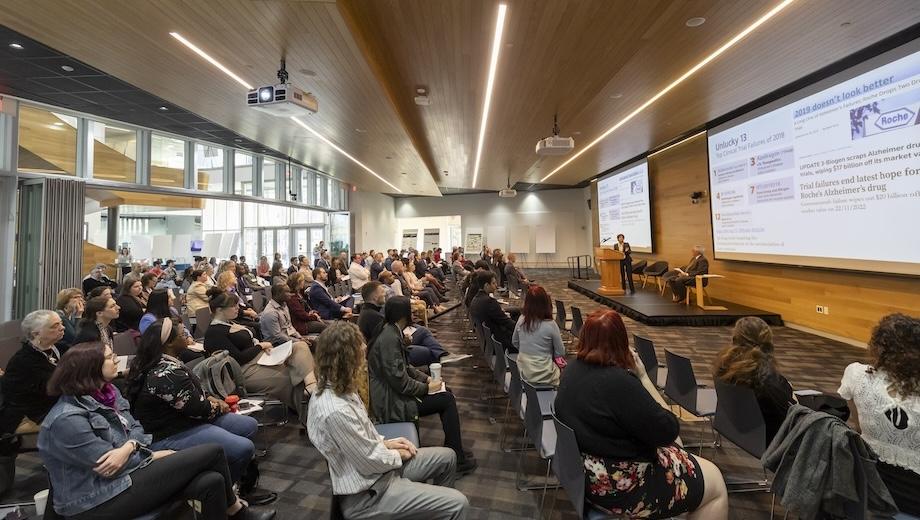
(64,296)
(226,280)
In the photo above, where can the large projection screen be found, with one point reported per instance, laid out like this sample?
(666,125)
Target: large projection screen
(828,176)
(623,207)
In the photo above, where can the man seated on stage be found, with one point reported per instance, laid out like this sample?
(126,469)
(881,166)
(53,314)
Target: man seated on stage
(678,279)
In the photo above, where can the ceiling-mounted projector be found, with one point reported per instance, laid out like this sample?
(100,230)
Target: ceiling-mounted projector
(507,193)
(283,99)
(555,145)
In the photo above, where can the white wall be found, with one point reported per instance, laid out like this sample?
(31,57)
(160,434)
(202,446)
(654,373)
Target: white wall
(374,221)
(566,210)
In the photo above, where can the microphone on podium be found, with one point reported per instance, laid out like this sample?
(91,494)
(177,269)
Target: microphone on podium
(605,240)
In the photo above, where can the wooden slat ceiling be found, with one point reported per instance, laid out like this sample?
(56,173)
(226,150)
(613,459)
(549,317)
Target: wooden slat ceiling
(131,41)
(589,61)
(571,57)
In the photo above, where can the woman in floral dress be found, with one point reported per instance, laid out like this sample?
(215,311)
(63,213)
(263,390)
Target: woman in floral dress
(633,467)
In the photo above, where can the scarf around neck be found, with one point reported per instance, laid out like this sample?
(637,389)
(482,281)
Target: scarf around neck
(106,395)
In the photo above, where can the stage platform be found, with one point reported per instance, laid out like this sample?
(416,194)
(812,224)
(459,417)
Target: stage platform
(650,307)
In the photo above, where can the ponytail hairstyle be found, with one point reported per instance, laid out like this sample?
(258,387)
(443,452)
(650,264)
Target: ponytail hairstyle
(221,299)
(749,361)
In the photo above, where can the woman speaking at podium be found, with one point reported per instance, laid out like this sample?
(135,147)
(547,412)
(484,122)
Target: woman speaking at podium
(626,263)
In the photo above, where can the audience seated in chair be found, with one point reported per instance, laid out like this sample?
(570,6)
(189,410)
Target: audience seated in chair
(401,393)
(168,400)
(131,306)
(248,316)
(749,362)
(160,306)
(197,295)
(423,348)
(321,300)
(96,324)
(538,340)
(277,327)
(358,274)
(373,477)
(884,400)
(69,305)
(99,460)
(285,382)
(678,279)
(486,310)
(632,463)
(304,318)
(97,278)
(24,386)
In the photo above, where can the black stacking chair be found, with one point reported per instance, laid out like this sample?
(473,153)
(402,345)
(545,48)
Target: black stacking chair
(538,424)
(638,268)
(569,468)
(577,321)
(123,344)
(656,270)
(738,418)
(561,319)
(682,388)
(657,372)
(515,393)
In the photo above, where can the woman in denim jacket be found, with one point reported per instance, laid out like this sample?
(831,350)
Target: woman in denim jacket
(97,456)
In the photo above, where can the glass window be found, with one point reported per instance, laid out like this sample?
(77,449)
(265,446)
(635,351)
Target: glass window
(167,161)
(47,141)
(307,188)
(112,152)
(281,236)
(330,193)
(242,174)
(269,178)
(209,167)
(251,246)
(268,244)
(318,199)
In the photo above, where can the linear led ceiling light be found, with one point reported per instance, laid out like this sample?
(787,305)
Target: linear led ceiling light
(211,60)
(490,83)
(738,37)
(343,152)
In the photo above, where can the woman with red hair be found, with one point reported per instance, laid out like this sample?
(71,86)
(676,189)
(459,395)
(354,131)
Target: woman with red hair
(537,338)
(632,465)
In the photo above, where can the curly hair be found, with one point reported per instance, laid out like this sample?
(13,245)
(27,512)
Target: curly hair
(895,348)
(339,358)
(749,360)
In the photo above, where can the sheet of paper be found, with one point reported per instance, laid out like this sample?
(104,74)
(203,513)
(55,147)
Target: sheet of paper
(196,347)
(344,278)
(123,363)
(277,355)
(410,330)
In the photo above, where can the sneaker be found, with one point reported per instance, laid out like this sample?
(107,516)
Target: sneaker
(466,467)
(453,358)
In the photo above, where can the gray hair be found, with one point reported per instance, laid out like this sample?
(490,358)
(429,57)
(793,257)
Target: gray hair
(35,321)
(699,249)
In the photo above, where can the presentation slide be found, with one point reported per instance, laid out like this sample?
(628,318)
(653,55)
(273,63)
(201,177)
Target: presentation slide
(623,207)
(827,180)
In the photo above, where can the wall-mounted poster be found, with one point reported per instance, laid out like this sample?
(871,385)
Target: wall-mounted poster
(409,238)
(473,243)
(432,239)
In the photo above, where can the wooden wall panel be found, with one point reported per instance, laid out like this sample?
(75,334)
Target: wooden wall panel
(856,300)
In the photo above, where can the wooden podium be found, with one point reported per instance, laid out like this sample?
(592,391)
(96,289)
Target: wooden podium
(608,263)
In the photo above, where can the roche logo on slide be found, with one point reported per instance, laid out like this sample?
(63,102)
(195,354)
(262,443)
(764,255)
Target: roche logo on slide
(895,118)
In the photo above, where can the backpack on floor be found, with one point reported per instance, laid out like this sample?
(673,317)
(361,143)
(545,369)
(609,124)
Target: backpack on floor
(220,375)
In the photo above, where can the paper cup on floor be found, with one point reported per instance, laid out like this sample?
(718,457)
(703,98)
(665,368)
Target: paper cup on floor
(41,498)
